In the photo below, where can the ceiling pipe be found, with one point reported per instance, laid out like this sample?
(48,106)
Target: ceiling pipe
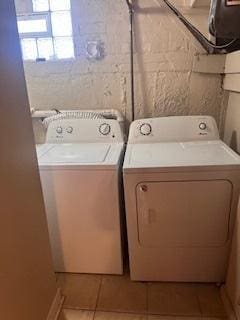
(131,20)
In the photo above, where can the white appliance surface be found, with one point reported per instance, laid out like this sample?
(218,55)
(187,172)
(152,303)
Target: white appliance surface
(181,186)
(82,142)
(84,131)
(101,154)
(43,148)
(178,154)
(79,170)
(173,129)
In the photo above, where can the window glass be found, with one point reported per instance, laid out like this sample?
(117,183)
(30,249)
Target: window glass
(61,23)
(48,34)
(29,49)
(64,47)
(45,48)
(40,5)
(32,25)
(56,5)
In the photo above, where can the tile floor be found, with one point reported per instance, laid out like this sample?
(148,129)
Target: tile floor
(104,297)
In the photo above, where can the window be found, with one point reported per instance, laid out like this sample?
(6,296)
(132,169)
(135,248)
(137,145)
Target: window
(47,32)
(38,25)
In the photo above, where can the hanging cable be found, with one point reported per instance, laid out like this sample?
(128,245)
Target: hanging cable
(57,111)
(131,18)
(204,41)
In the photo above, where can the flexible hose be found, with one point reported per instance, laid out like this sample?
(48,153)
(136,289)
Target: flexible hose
(129,4)
(195,30)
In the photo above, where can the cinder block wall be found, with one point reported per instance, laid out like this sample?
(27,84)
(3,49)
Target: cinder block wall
(164,56)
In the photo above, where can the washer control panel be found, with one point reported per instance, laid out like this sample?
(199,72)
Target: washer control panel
(84,130)
(175,129)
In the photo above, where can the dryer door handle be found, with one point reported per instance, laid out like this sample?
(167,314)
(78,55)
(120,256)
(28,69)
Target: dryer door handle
(145,211)
(146,216)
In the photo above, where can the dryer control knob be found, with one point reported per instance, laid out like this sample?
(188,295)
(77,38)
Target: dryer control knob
(59,130)
(202,126)
(145,129)
(105,129)
(69,129)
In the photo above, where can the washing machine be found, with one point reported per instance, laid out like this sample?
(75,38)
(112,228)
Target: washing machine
(181,190)
(80,166)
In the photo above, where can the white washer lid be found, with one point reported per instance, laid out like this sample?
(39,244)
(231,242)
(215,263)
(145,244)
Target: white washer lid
(177,154)
(76,153)
(83,154)
(43,148)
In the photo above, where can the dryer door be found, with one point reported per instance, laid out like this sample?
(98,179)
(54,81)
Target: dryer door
(184,213)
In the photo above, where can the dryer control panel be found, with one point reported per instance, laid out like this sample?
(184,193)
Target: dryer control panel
(173,129)
(84,130)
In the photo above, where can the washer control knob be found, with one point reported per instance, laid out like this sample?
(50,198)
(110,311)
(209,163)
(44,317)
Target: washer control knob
(59,130)
(69,129)
(202,126)
(145,129)
(105,129)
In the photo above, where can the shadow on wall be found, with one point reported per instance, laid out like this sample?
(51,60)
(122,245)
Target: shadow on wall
(138,42)
(234,142)
(165,83)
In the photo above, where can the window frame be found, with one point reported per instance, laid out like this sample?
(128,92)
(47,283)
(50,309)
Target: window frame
(36,16)
(47,16)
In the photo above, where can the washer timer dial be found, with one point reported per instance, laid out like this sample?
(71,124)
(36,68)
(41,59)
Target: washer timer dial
(202,126)
(145,129)
(105,129)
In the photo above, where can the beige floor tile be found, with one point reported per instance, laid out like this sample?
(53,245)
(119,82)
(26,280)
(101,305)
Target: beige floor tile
(118,316)
(210,301)
(120,294)
(158,317)
(213,318)
(80,291)
(68,314)
(173,299)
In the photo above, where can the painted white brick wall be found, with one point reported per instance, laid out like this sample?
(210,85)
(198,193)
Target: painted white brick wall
(164,54)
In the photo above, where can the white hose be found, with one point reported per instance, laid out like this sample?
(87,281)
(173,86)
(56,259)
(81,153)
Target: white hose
(72,115)
(106,113)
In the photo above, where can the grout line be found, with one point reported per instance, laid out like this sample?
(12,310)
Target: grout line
(78,309)
(190,316)
(98,296)
(198,300)
(147,304)
(123,312)
(149,314)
